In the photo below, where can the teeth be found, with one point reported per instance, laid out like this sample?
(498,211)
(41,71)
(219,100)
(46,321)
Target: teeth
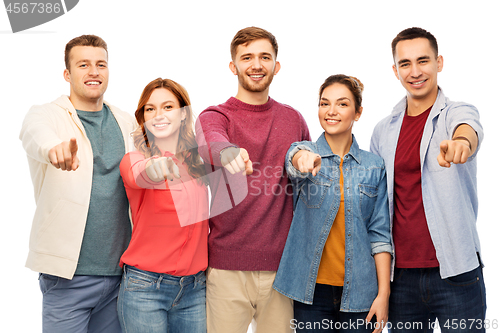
(257,76)
(160,125)
(419,82)
(93,82)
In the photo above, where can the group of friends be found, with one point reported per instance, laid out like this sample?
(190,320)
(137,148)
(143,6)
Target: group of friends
(125,237)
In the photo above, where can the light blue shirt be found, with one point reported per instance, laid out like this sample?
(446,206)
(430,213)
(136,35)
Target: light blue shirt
(449,194)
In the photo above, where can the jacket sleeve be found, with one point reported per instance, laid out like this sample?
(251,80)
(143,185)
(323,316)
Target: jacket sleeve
(379,224)
(39,134)
(292,172)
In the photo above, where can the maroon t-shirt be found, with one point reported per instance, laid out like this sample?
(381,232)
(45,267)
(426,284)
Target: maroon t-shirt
(412,241)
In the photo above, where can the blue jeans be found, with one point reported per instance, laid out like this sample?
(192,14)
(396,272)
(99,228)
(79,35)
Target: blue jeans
(84,304)
(324,314)
(419,296)
(152,302)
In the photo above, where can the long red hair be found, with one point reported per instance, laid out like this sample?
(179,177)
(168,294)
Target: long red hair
(187,149)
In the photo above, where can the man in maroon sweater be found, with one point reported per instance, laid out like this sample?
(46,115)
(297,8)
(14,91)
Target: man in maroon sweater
(245,141)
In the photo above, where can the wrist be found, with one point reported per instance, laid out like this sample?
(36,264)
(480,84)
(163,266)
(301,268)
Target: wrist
(464,139)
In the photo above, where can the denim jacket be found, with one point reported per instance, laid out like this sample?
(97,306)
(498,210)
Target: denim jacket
(317,201)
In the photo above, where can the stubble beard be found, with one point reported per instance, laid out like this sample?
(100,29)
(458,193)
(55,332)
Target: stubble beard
(251,86)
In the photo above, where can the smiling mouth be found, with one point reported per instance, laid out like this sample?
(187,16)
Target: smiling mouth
(332,121)
(163,125)
(93,83)
(416,83)
(256,77)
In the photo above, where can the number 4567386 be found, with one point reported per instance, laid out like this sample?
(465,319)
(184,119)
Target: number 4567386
(33,7)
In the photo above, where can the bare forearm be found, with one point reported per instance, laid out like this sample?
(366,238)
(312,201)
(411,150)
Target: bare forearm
(383,266)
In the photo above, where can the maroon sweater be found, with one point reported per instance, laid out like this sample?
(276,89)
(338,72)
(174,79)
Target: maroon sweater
(250,215)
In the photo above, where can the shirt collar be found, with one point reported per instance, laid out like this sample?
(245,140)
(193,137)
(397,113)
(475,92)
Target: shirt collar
(439,104)
(324,149)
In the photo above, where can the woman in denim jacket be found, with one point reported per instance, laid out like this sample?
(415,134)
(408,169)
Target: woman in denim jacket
(336,261)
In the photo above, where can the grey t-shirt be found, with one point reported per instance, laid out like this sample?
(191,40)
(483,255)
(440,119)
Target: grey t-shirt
(108,229)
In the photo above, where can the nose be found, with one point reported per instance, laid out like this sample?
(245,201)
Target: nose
(415,71)
(256,63)
(93,70)
(159,114)
(332,111)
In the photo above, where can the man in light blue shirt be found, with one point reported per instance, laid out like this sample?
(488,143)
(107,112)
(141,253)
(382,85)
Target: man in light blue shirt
(429,145)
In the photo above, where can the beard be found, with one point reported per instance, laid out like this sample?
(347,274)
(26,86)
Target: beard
(252,86)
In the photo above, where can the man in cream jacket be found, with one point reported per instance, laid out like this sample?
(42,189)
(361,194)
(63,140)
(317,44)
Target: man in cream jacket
(81,225)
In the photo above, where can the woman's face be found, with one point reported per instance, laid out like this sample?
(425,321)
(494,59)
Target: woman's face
(337,110)
(163,115)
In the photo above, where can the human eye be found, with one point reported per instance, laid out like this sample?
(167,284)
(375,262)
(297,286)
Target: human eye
(168,107)
(148,109)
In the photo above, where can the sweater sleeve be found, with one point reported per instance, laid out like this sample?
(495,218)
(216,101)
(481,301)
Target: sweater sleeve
(38,134)
(305,130)
(212,135)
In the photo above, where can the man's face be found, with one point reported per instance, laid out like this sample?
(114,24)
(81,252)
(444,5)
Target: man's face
(416,66)
(88,73)
(255,64)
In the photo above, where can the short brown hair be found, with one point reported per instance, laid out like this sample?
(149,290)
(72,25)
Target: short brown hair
(353,84)
(412,33)
(84,40)
(250,34)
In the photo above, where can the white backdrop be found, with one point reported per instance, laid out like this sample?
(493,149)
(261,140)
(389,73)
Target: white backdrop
(188,41)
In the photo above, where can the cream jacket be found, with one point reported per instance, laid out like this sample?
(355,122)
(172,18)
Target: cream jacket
(62,197)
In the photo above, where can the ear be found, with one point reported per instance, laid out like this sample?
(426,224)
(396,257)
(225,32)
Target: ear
(232,67)
(440,62)
(358,114)
(277,67)
(183,114)
(395,69)
(67,75)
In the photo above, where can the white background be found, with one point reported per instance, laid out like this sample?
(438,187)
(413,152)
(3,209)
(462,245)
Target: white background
(188,41)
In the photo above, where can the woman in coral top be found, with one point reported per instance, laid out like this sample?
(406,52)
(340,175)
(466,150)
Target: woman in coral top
(163,284)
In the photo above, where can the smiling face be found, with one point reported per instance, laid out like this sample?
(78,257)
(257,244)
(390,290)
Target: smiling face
(416,66)
(163,118)
(337,111)
(255,64)
(88,77)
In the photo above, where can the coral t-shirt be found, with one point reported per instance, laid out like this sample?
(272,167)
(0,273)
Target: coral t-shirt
(170,220)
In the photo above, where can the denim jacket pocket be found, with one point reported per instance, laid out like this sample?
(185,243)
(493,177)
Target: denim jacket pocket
(315,189)
(367,199)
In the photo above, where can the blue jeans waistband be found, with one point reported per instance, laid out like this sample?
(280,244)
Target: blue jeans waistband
(165,278)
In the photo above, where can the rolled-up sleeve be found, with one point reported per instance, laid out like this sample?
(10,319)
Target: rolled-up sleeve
(294,149)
